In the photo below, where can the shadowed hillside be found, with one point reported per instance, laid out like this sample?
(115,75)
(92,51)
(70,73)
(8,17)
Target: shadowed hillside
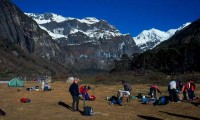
(14,62)
(25,49)
(179,54)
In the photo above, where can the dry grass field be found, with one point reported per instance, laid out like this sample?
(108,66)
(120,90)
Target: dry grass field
(44,105)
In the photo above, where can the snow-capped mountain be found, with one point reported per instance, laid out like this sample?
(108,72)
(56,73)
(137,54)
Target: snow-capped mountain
(48,17)
(90,39)
(89,26)
(148,39)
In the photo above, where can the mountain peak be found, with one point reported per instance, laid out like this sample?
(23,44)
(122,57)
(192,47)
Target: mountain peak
(48,17)
(148,39)
(150,35)
(154,29)
(89,20)
(90,26)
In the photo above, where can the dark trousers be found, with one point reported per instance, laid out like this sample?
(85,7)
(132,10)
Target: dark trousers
(191,94)
(173,95)
(75,101)
(184,95)
(153,92)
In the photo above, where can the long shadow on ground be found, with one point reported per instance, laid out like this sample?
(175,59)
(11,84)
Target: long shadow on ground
(69,107)
(148,117)
(183,116)
(195,103)
(65,105)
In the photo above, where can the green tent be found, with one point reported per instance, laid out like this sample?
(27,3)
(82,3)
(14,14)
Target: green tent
(16,82)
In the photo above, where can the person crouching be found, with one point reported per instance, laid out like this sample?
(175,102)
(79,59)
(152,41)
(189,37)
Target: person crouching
(153,90)
(84,92)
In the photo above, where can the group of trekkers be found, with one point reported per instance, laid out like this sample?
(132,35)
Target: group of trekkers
(75,92)
(177,93)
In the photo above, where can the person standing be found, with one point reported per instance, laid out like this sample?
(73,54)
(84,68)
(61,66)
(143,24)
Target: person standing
(182,91)
(74,91)
(172,91)
(43,83)
(127,87)
(191,88)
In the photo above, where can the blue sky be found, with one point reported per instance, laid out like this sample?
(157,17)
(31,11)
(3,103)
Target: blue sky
(129,16)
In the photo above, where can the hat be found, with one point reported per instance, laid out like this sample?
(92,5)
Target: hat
(75,79)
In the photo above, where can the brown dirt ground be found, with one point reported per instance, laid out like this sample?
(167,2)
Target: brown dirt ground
(44,105)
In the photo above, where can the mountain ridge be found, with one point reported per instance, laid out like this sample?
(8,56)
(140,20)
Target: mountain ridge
(96,39)
(177,55)
(46,18)
(148,39)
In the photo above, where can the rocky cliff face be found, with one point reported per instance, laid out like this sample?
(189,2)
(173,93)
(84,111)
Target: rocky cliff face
(26,47)
(22,31)
(93,42)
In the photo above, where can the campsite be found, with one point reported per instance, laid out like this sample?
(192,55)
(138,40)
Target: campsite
(129,46)
(55,104)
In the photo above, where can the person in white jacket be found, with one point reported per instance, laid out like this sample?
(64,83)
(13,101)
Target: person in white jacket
(172,91)
(43,83)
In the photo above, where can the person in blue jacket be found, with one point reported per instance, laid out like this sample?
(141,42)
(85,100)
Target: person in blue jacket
(74,91)
(115,100)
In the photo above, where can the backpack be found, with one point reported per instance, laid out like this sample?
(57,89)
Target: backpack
(163,100)
(29,89)
(145,100)
(25,100)
(46,88)
(36,87)
(88,111)
(92,97)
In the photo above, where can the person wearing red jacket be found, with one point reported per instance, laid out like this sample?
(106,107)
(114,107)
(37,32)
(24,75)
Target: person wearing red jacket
(191,87)
(183,90)
(153,90)
(84,92)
